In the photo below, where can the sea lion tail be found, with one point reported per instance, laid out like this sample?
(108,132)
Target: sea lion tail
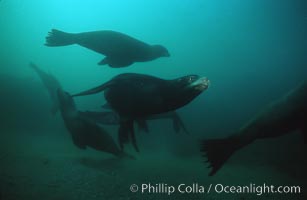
(59,38)
(217,152)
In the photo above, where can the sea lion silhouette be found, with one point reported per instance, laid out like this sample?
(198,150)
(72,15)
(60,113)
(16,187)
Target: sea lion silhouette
(120,49)
(137,96)
(287,114)
(102,117)
(84,132)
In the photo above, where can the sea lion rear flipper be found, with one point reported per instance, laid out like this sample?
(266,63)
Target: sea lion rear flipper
(59,38)
(94,90)
(217,151)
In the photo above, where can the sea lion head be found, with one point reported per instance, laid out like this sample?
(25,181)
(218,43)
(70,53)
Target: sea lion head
(193,83)
(186,88)
(160,51)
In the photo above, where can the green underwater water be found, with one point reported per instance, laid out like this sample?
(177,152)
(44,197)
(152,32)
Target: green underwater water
(252,51)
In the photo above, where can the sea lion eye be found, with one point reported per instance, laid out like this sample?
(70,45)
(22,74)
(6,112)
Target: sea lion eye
(191,79)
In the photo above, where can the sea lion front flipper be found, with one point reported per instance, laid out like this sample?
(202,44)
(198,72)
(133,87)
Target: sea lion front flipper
(116,62)
(134,140)
(126,130)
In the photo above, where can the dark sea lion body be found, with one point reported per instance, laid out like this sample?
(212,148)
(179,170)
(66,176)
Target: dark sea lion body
(120,49)
(281,117)
(84,132)
(138,96)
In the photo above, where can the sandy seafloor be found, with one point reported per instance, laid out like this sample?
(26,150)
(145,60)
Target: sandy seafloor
(43,167)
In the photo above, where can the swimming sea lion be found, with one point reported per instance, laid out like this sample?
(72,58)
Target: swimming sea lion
(137,96)
(84,132)
(105,118)
(51,84)
(120,49)
(283,116)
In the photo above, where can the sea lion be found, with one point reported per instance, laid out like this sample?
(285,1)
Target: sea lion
(120,49)
(105,118)
(137,96)
(283,116)
(84,132)
(51,84)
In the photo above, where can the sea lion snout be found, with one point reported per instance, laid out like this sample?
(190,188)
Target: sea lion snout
(201,84)
(160,51)
(167,54)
